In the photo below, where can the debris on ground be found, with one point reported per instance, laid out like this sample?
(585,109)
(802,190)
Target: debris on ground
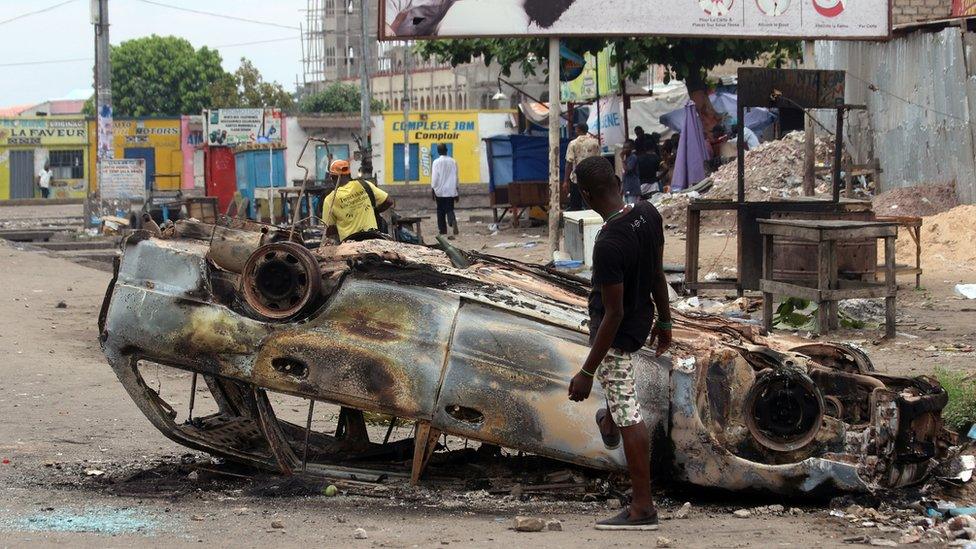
(966,290)
(742,513)
(682,513)
(528,524)
(360,534)
(917,201)
(663,542)
(774,170)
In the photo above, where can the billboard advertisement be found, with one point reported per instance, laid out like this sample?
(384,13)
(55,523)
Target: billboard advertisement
(233,127)
(815,19)
(598,78)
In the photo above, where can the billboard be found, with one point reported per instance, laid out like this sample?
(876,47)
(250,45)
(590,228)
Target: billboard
(963,8)
(598,78)
(123,179)
(815,19)
(233,127)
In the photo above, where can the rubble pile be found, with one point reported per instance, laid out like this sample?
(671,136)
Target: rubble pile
(774,170)
(918,201)
(947,238)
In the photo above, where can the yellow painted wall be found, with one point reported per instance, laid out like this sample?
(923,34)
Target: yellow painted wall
(427,129)
(42,135)
(163,135)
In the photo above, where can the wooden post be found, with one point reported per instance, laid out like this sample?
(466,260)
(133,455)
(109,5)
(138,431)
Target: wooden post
(555,208)
(918,255)
(692,240)
(424,442)
(768,275)
(810,136)
(823,284)
(834,318)
(740,148)
(838,154)
(892,285)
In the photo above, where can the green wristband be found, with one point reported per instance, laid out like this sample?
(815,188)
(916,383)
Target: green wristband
(665,325)
(583,370)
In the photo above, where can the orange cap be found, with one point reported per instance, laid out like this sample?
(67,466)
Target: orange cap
(339,167)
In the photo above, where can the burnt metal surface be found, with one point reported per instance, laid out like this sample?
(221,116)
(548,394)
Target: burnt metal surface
(486,353)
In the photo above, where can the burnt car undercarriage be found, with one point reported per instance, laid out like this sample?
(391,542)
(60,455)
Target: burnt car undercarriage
(483,348)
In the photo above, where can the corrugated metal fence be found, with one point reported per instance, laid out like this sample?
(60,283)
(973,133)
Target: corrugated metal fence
(920,92)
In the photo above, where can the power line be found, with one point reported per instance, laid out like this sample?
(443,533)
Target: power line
(42,10)
(220,15)
(291,38)
(80,59)
(874,88)
(48,62)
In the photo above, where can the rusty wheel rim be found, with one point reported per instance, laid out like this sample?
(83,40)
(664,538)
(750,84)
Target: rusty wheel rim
(783,409)
(281,280)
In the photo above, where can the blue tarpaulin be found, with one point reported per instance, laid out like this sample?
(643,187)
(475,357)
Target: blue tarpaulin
(520,158)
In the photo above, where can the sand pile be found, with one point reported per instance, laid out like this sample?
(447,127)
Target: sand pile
(948,239)
(918,201)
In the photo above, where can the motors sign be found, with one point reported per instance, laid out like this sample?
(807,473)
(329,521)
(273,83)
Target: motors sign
(813,19)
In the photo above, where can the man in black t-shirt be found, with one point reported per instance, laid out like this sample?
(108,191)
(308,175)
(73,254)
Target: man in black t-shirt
(628,281)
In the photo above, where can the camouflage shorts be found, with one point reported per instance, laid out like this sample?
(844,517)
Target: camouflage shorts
(616,375)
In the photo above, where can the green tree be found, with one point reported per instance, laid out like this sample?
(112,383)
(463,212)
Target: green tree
(337,97)
(162,76)
(246,88)
(687,59)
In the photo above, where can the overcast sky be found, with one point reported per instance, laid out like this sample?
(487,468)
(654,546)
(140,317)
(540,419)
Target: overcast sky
(66,33)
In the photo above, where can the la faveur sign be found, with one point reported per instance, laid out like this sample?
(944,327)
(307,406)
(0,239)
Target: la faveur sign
(813,19)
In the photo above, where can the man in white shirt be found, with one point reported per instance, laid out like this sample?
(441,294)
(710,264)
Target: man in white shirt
(44,180)
(444,187)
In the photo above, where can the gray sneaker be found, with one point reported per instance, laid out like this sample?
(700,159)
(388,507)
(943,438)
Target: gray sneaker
(623,522)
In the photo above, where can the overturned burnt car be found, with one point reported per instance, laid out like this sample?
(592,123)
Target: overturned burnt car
(483,348)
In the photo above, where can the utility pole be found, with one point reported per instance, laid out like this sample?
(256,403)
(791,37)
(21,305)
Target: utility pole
(555,213)
(406,112)
(366,93)
(104,128)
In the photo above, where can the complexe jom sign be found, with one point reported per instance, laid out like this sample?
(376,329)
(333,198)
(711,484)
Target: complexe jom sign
(815,19)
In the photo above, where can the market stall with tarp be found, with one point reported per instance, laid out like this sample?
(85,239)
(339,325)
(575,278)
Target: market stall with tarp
(518,167)
(726,104)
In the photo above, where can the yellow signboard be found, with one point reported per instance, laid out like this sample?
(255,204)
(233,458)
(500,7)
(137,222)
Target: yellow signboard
(157,141)
(456,129)
(42,131)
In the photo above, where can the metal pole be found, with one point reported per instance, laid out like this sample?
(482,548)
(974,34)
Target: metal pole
(406,113)
(103,96)
(838,154)
(366,94)
(809,136)
(599,115)
(555,213)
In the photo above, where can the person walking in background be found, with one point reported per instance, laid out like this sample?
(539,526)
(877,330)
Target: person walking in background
(648,166)
(581,148)
(444,185)
(632,182)
(44,180)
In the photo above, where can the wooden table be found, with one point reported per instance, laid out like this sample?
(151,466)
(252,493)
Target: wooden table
(830,289)
(415,224)
(313,196)
(914,227)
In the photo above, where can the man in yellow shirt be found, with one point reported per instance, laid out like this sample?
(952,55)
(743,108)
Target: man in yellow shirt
(350,210)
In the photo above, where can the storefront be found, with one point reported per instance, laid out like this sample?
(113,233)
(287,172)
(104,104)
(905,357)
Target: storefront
(28,143)
(155,140)
(426,130)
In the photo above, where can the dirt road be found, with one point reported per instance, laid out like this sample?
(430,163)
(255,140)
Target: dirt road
(70,434)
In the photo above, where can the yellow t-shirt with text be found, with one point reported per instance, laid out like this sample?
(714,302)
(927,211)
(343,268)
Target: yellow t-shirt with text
(348,208)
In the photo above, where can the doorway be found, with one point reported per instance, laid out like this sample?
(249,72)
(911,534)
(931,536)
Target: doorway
(149,155)
(21,174)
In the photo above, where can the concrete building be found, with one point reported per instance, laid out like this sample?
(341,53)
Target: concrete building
(333,51)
